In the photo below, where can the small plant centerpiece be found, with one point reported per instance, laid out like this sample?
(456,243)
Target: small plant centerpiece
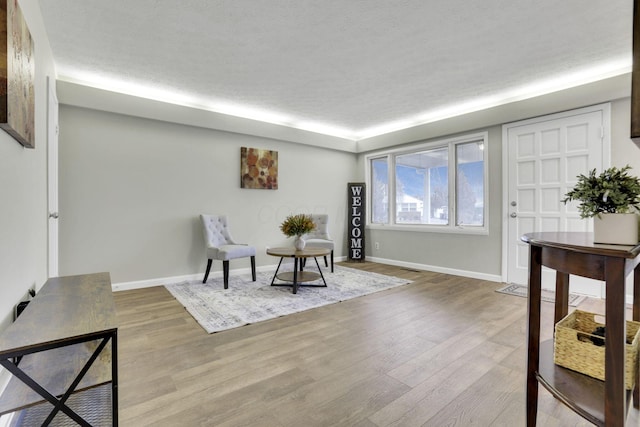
(612,199)
(298,225)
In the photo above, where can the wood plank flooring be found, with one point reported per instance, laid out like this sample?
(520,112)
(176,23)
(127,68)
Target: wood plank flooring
(442,351)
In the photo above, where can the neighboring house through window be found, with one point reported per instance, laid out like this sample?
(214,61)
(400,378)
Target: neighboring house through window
(434,186)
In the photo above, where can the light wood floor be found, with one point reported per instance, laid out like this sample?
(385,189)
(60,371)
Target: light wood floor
(442,351)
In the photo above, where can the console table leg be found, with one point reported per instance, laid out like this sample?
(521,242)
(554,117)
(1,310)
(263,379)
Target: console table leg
(636,318)
(562,296)
(615,337)
(114,379)
(533,332)
(42,392)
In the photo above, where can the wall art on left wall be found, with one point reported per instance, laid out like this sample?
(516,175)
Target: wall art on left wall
(17,75)
(258,168)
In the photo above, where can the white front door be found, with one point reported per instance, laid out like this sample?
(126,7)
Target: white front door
(544,156)
(52,175)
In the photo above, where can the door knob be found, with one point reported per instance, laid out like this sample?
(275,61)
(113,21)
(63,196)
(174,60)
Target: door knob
(53,215)
(513,215)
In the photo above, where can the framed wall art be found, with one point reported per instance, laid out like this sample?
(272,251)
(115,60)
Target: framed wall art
(258,168)
(17,75)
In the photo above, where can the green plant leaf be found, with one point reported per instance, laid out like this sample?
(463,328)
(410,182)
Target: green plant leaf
(613,191)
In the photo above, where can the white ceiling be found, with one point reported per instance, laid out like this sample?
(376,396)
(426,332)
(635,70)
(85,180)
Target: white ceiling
(348,68)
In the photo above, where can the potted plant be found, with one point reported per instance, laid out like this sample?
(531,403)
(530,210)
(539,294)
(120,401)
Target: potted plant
(612,199)
(298,225)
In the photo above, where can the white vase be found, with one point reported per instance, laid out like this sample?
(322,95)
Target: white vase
(299,243)
(616,229)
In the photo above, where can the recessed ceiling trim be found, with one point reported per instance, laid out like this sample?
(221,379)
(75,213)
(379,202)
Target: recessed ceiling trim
(616,87)
(78,95)
(216,106)
(532,90)
(350,70)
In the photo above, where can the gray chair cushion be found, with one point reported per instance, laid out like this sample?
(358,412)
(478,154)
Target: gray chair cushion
(227,252)
(319,243)
(319,238)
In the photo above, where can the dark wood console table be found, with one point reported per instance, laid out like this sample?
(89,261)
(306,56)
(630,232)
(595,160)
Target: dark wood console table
(602,403)
(62,339)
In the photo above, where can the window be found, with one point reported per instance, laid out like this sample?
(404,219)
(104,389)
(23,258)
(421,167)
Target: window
(470,183)
(380,182)
(437,186)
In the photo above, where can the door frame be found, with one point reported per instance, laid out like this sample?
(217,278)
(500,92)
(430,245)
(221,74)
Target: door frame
(605,108)
(52,179)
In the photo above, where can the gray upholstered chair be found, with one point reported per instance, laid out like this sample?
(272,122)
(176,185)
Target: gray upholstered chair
(221,246)
(320,238)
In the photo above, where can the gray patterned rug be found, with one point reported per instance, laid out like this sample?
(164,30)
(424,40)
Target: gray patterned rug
(217,309)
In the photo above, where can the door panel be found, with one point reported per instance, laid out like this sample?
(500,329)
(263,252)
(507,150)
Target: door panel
(544,157)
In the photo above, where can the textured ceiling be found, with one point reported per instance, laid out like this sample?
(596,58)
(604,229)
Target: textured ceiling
(356,67)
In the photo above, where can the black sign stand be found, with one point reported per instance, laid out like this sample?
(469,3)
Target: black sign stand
(357,220)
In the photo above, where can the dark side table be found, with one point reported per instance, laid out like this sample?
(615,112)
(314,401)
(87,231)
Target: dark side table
(602,403)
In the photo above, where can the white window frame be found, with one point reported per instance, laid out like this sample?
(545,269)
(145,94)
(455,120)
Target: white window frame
(451,144)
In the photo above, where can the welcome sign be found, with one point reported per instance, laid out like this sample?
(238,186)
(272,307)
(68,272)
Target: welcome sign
(356,220)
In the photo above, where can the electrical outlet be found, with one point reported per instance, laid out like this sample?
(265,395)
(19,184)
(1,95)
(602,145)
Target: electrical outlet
(377,245)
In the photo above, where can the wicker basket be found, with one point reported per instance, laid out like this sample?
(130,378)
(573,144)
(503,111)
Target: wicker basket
(574,347)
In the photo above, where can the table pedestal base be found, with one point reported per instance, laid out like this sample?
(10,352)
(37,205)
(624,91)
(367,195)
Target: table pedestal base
(296,278)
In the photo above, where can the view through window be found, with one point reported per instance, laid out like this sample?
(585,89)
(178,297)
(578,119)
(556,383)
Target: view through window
(426,181)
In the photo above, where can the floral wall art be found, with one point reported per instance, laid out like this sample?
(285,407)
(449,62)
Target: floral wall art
(258,168)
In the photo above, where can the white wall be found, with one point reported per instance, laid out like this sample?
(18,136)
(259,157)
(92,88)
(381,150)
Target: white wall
(455,253)
(623,150)
(23,188)
(131,190)
(480,256)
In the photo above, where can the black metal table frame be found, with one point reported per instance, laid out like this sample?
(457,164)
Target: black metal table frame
(59,404)
(297,262)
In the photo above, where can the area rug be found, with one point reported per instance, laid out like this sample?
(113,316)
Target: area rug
(548,296)
(217,309)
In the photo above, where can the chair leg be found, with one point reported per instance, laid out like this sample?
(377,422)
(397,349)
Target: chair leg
(332,260)
(225,272)
(206,274)
(253,268)
(326,263)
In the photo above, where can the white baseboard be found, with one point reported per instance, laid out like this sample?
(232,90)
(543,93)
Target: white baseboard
(437,269)
(139,284)
(125,286)
(482,276)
